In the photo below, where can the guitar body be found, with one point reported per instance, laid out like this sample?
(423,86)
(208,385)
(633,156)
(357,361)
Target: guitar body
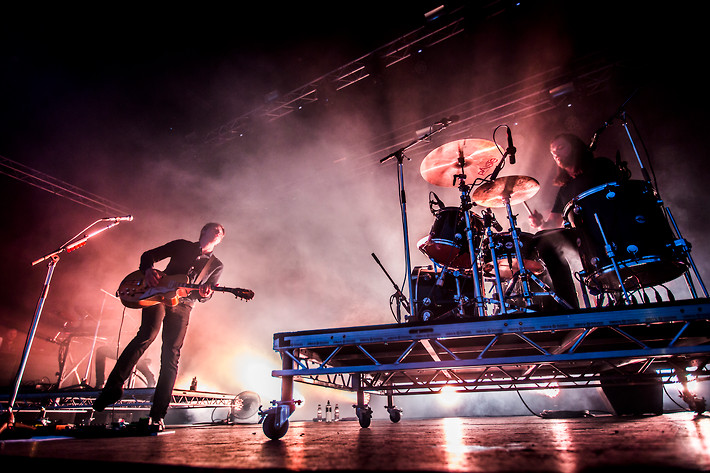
(135,293)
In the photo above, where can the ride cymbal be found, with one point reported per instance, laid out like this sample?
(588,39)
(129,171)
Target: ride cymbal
(441,165)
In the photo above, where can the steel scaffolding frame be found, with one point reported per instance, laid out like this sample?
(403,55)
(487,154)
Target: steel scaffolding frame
(619,346)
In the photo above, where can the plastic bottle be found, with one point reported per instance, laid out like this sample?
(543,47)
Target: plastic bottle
(328,412)
(319,415)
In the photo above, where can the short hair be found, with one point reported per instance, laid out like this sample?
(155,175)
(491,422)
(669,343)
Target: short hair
(213,225)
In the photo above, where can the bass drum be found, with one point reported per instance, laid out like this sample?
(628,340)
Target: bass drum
(637,231)
(447,243)
(436,297)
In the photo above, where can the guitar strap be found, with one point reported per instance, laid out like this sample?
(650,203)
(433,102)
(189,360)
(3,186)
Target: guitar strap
(206,269)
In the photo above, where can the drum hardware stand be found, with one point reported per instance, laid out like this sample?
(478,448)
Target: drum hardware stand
(685,248)
(466,205)
(399,155)
(547,290)
(522,272)
(401,299)
(680,242)
(610,253)
(488,222)
(53,258)
(461,300)
(63,357)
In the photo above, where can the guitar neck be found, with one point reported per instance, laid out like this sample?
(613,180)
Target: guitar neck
(197,286)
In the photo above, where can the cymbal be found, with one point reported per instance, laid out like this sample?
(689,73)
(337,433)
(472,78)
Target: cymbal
(516,189)
(441,165)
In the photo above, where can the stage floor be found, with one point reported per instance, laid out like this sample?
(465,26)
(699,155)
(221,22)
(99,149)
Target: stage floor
(670,442)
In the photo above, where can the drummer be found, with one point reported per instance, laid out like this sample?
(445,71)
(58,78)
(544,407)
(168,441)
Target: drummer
(578,171)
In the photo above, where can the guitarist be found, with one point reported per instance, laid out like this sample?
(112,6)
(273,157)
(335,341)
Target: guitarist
(194,259)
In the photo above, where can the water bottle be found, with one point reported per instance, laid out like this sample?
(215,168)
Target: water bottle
(328,412)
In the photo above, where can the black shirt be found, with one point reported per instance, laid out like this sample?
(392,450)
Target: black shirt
(185,258)
(599,171)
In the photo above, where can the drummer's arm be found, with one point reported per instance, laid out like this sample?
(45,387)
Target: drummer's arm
(554,220)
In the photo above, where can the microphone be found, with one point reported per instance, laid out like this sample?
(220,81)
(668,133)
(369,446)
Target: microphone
(511,149)
(127,218)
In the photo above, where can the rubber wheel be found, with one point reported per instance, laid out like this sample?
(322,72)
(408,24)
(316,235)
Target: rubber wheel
(270,429)
(395,416)
(365,418)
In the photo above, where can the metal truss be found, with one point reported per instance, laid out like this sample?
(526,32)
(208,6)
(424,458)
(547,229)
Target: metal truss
(623,346)
(58,187)
(133,399)
(342,77)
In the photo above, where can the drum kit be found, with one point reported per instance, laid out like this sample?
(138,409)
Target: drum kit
(467,248)
(623,236)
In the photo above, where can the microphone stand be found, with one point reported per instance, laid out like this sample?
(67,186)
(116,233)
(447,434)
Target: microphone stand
(399,155)
(53,260)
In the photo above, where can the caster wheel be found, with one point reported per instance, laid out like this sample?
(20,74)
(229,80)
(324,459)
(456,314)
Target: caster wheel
(395,416)
(270,429)
(364,416)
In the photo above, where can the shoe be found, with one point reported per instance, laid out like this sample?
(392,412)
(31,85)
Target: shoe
(107,397)
(157,425)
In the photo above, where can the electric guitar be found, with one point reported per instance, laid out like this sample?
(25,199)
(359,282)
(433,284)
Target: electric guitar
(135,293)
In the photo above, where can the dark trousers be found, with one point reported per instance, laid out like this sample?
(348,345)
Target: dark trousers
(174,321)
(106,352)
(551,246)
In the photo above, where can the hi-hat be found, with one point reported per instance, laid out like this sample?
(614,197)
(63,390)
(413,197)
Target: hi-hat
(515,189)
(441,165)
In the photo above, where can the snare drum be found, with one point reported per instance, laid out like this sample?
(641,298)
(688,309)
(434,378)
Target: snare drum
(636,229)
(447,243)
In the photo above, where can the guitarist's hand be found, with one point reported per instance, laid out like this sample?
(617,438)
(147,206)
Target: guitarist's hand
(152,277)
(205,290)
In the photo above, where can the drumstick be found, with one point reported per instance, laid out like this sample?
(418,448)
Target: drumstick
(528,208)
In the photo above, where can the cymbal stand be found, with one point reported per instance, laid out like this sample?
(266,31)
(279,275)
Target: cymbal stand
(466,205)
(685,248)
(680,242)
(523,273)
(488,222)
(53,258)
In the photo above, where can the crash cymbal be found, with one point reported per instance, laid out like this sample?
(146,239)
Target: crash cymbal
(516,189)
(441,165)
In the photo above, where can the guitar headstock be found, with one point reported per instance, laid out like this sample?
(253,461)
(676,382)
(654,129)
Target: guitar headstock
(246,294)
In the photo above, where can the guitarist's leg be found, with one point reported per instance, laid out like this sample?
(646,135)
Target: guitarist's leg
(174,330)
(151,319)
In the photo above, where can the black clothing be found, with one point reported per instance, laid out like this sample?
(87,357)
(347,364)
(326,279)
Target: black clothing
(106,352)
(599,171)
(185,258)
(551,246)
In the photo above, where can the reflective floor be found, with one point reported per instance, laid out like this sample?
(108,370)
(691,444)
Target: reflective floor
(671,442)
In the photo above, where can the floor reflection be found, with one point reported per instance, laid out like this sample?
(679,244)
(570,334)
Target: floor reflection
(563,444)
